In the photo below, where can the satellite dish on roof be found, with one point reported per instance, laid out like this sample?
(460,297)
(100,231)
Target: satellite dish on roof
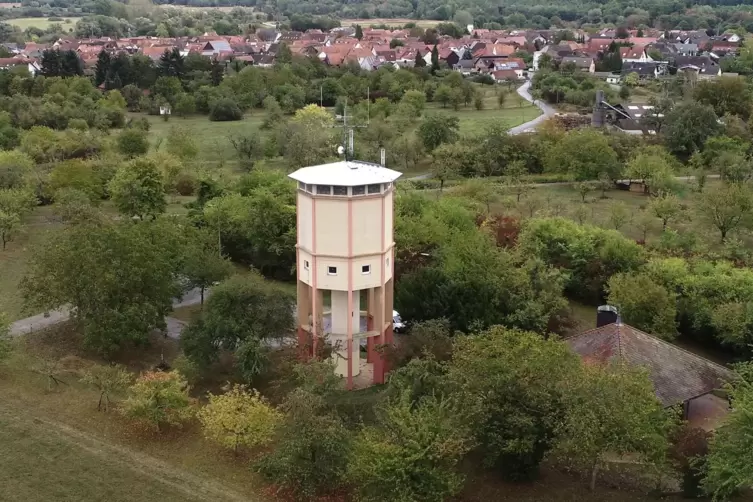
(340,150)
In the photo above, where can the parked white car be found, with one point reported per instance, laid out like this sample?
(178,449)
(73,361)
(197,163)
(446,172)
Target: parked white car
(398,326)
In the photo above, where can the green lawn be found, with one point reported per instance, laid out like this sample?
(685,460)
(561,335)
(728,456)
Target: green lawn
(41,22)
(13,259)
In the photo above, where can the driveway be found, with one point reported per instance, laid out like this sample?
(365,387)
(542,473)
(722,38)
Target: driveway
(42,321)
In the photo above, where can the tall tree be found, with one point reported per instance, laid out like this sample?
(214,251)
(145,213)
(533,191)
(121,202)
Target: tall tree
(102,68)
(511,390)
(420,61)
(117,279)
(434,59)
(359,32)
(171,64)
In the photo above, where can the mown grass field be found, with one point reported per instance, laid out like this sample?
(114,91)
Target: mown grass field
(41,23)
(213,138)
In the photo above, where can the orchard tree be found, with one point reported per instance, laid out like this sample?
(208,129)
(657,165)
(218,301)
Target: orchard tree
(727,95)
(726,207)
(185,104)
(158,399)
(619,215)
(10,223)
(240,417)
(436,130)
(655,167)
(666,207)
(643,303)
(108,380)
(181,143)
(611,409)
(137,189)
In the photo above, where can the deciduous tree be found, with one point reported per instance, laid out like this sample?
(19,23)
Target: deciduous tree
(726,207)
(611,410)
(137,189)
(644,304)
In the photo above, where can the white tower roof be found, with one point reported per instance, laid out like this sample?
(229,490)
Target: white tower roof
(345,173)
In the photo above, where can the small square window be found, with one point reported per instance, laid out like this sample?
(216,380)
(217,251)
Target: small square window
(365,269)
(359,190)
(310,188)
(302,185)
(375,188)
(340,190)
(306,264)
(323,189)
(331,270)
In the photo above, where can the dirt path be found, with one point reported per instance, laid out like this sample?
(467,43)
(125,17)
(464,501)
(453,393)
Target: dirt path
(190,486)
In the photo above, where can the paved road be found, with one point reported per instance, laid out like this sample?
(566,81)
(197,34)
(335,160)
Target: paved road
(40,321)
(546,110)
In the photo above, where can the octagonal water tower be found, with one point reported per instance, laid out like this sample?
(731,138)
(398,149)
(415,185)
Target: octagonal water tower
(345,261)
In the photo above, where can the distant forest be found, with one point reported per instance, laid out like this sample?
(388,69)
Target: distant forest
(713,15)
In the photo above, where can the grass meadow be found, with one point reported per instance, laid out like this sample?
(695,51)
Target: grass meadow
(41,23)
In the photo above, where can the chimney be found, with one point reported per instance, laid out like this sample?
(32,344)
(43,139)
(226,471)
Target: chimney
(606,314)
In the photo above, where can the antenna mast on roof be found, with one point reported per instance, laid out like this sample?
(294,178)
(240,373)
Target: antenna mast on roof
(348,133)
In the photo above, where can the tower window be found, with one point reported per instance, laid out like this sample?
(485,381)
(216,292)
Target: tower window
(305,264)
(388,262)
(331,270)
(359,190)
(365,269)
(341,190)
(375,188)
(323,189)
(302,185)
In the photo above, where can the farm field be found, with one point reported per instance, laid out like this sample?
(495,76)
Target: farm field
(41,23)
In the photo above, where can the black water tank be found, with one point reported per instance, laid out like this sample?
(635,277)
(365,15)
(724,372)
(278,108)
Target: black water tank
(606,314)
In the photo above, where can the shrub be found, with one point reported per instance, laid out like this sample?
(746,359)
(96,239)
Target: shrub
(239,417)
(158,399)
(133,142)
(185,184)
(310,456)
(225,109)
(78,124)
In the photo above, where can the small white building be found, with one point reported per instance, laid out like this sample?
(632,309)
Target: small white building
(345,251)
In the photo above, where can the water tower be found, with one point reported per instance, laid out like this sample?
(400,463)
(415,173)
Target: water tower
(345,262)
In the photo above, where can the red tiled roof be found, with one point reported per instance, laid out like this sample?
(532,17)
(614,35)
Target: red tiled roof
(678,375)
